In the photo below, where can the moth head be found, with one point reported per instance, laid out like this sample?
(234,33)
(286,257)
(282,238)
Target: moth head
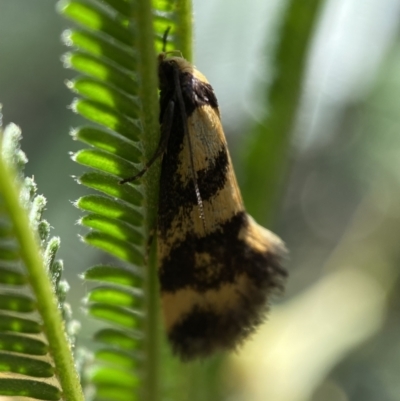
(167,65)
(172,60)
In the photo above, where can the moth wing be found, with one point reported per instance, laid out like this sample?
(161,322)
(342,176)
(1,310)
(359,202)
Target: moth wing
(214,172)
(216,274)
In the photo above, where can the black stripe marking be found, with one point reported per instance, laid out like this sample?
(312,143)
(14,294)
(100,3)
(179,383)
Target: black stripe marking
(228,257)
(196,93)
(174,195)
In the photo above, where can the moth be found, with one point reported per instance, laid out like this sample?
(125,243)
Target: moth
(217,267)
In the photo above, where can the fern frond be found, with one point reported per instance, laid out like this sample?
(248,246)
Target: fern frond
(34,348)
(267,151)
(114,48)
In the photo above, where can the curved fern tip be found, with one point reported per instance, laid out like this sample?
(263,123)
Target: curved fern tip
(73,156)
(74,203)
(73,132)
(82,239)
(37,208)
(69,84)
(61,5)
(74,105)
(53,245)
(66,60)
(66,37)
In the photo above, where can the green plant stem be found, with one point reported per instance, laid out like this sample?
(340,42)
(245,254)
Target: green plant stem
(147,71)
(267,153)
(42,287)
(184,37)
(152,329)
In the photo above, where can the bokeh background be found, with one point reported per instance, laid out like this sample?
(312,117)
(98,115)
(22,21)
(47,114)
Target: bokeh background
(335,335)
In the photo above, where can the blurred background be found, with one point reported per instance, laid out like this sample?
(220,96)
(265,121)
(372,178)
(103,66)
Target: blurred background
(335,335)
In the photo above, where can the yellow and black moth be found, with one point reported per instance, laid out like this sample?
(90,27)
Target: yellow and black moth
(217,266)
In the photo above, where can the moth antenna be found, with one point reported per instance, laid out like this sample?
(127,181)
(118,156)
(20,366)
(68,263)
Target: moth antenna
(165,37)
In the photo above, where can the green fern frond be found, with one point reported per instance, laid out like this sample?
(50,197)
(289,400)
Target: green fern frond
(34,348)
(114,47)
(267,150)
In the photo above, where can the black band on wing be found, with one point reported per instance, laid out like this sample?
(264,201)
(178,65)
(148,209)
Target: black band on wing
(175,195)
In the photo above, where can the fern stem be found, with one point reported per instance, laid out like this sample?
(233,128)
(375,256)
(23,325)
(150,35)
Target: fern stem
(41,285)
(148,94)
(268,150)
(147,70)
(152,330)
(184,40)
